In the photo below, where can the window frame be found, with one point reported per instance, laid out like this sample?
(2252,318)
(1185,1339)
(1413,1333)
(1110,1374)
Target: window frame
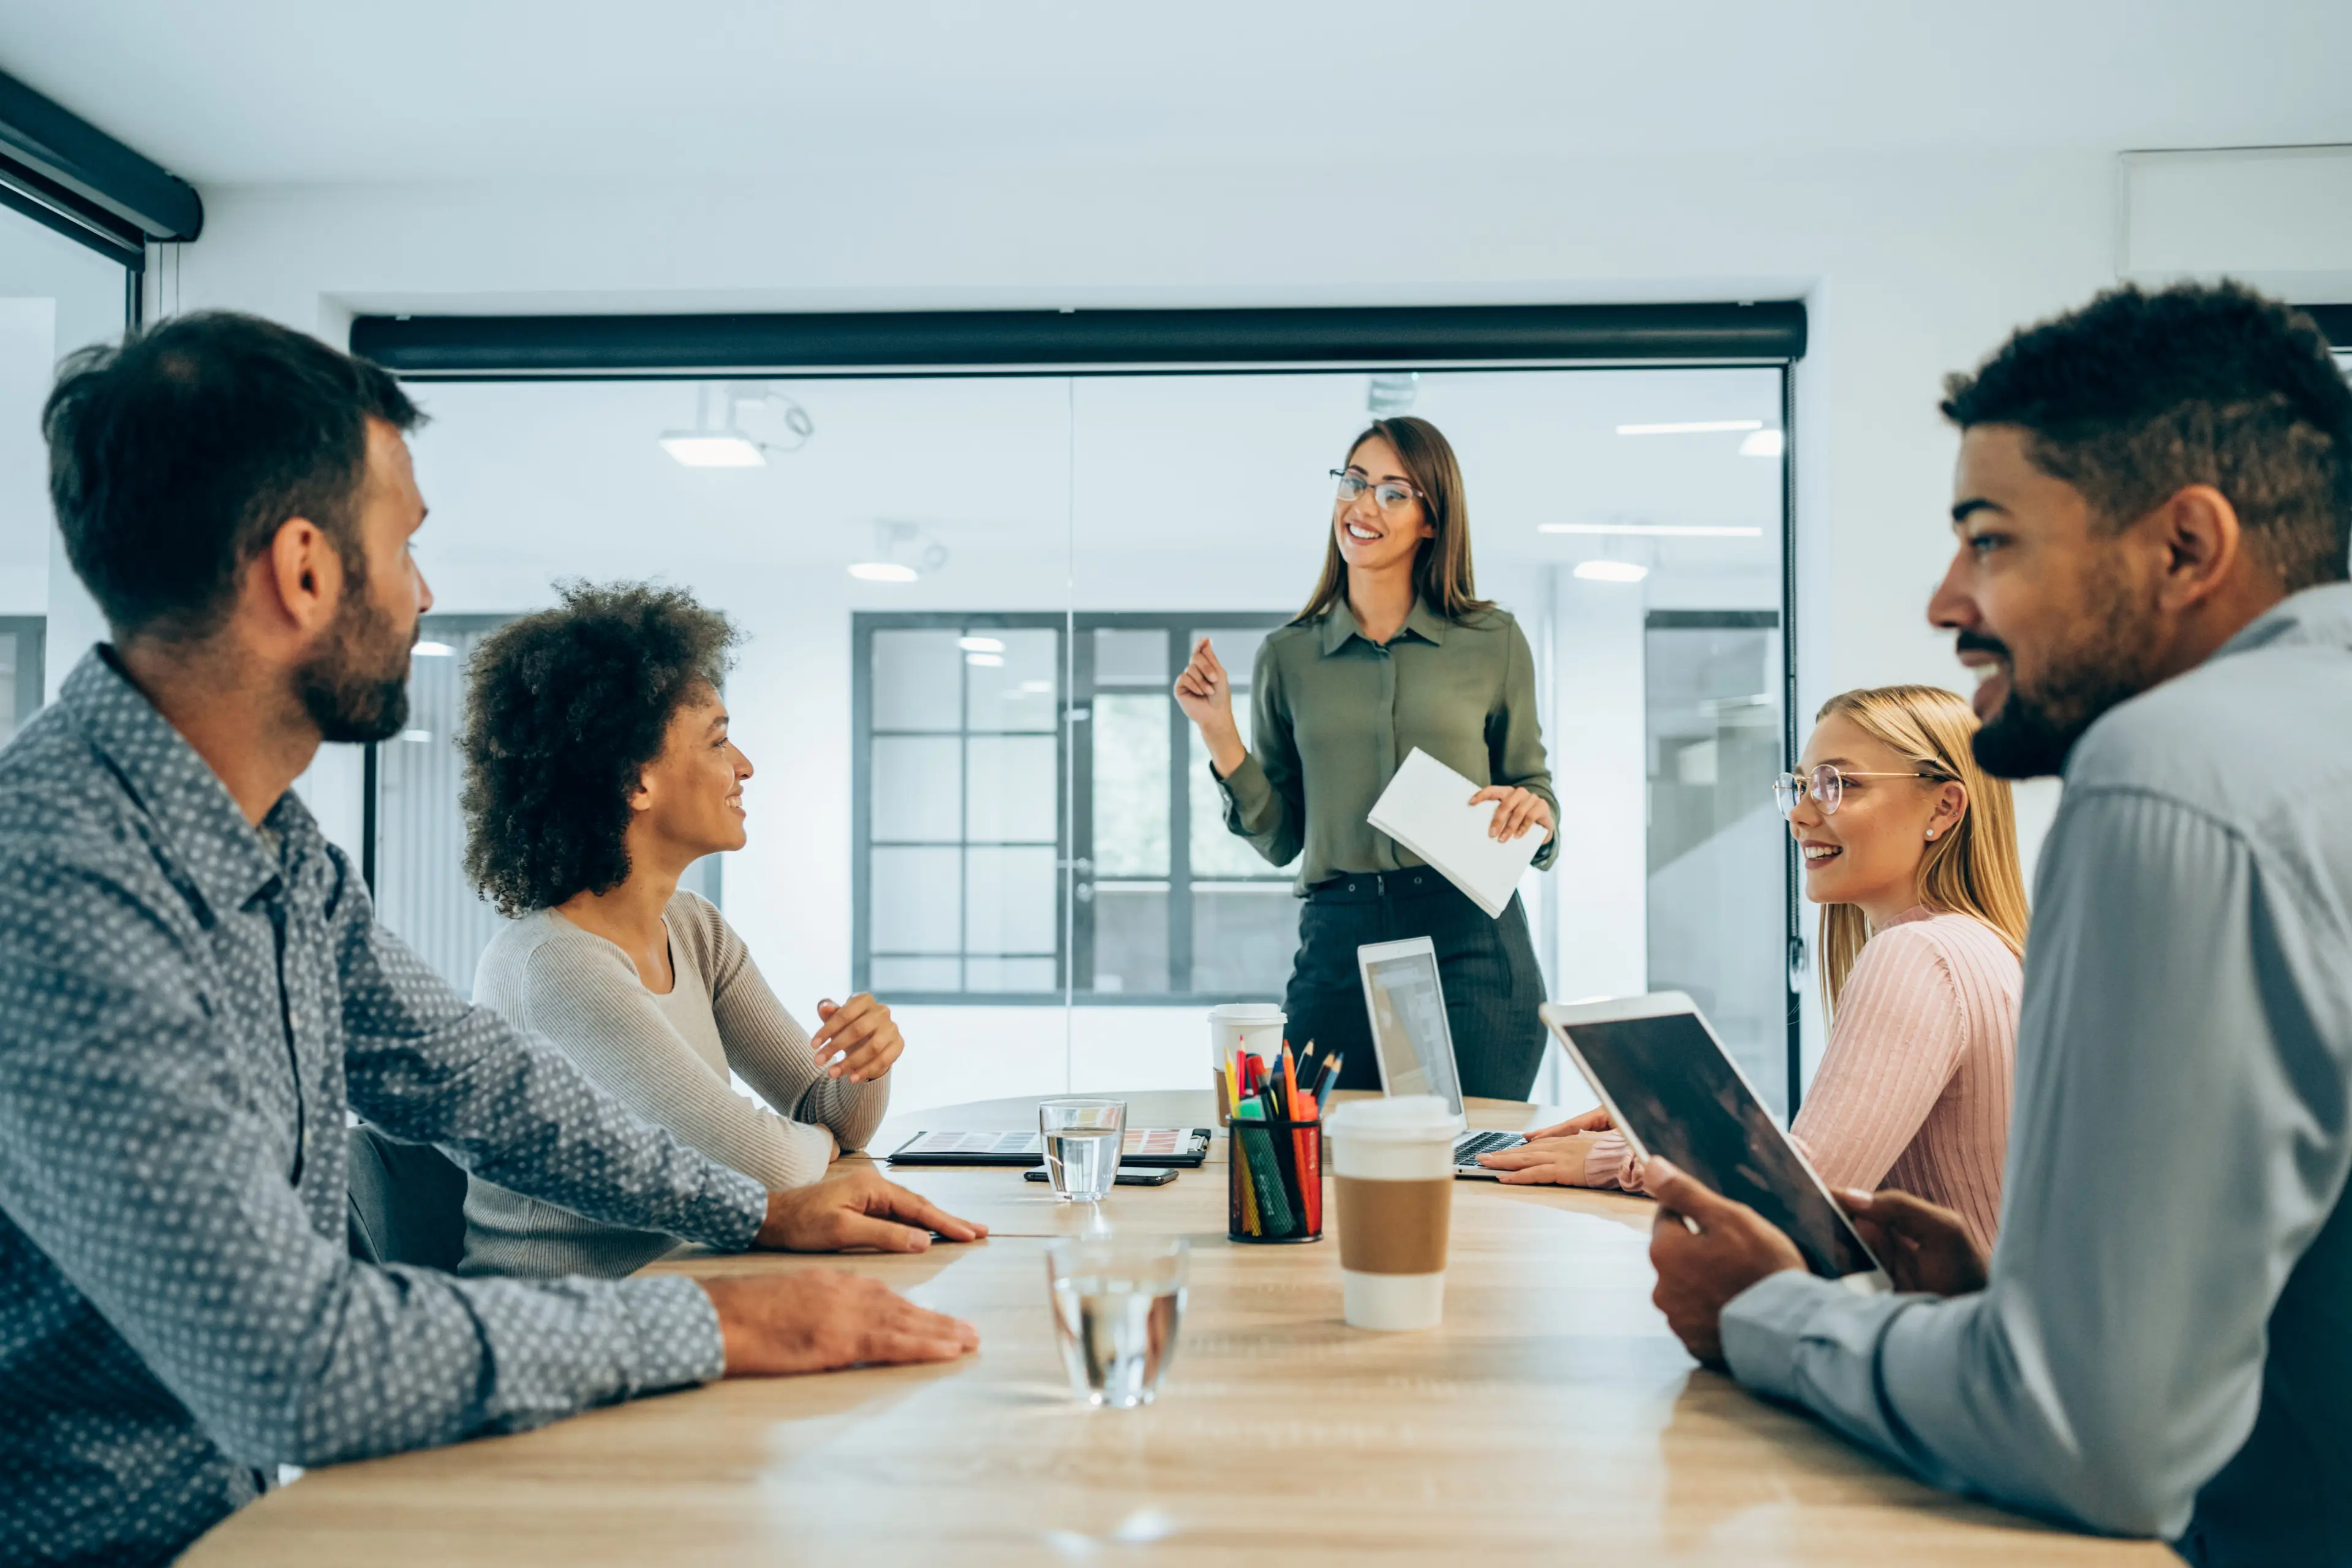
(32,633)
(1072,343)
(1074,929)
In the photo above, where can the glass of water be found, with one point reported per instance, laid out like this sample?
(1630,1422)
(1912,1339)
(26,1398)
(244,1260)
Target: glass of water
(1083,1139)
(1118,1301)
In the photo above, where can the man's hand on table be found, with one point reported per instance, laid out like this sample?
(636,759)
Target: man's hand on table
(854,1210)
(821,1321)
(1699,1273)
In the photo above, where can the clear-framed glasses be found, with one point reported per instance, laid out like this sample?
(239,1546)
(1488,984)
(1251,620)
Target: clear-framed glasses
(1826,785)
(1391,494)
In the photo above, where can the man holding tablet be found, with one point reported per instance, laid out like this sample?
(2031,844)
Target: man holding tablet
(2154,504)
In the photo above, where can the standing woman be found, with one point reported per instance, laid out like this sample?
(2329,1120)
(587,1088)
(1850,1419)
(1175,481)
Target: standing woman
(1393,651)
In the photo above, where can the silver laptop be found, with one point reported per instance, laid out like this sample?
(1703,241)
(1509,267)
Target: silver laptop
(1413,1044)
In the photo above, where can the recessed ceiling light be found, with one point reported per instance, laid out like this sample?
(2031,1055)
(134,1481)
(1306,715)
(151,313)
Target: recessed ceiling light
(1612,571)
(1692,427)
(1765,444)
(1653,530)
(418,735)
(882,572)
(981,645)
(985,660)
(433,650)
(713,449)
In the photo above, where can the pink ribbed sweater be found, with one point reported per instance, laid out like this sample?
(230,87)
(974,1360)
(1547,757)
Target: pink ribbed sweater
(1914,1091)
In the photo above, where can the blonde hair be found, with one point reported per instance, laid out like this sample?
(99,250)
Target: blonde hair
(1970,870)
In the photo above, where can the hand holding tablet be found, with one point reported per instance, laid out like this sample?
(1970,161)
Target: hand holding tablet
(1680,1100)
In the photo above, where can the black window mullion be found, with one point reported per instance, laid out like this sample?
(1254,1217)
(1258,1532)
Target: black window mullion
(1180,828)
(861,790)
(1078,822)
(963,825)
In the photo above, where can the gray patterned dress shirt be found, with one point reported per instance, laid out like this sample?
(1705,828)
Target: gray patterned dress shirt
(2165,1345)
(187,1006)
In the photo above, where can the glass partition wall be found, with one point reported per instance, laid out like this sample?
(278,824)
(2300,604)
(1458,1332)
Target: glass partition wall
(965,599)
(55,296)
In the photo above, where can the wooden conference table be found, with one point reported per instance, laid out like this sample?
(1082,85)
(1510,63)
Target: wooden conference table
(1552,1415)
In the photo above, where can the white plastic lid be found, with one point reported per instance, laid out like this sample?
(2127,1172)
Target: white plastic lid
(1400,1118)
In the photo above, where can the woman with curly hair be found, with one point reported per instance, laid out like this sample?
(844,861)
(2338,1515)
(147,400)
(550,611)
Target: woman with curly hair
(598,768)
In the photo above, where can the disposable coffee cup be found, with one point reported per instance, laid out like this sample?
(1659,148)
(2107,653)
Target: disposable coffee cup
(1393,1165)
(1251,1027)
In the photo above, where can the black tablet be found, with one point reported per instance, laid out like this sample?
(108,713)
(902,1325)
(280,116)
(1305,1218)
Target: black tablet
(1673,1090)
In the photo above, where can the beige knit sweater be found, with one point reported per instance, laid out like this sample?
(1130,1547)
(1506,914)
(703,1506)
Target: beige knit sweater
(666,1057)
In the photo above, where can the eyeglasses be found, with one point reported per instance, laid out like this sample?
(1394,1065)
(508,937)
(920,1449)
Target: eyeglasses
(1826,785)
(1391,494)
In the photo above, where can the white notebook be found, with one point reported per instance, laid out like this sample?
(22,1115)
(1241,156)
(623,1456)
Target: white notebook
(1424,809)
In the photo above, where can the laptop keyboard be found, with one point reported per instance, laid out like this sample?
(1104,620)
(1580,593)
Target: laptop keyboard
(1470,1145)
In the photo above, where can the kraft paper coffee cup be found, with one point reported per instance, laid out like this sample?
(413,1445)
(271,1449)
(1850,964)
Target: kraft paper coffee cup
(1393,1165)
(1251,1026)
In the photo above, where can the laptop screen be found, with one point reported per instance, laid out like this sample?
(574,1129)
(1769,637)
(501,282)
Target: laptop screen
(1407,1016)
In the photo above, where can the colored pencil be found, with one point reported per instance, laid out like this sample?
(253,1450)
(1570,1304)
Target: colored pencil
(1329,1078)
(1311,1168)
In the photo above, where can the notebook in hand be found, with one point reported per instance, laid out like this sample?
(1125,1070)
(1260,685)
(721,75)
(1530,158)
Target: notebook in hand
(1168,1147)
(1427,809)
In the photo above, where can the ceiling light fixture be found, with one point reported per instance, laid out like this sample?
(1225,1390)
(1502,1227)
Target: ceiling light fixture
(712,449)
(1765,444)
(985,660)
(1654,529)
(432,649)
(1692,427)
(1391,393)
(981,645)
(902,553)
(727,445)
(1612,571)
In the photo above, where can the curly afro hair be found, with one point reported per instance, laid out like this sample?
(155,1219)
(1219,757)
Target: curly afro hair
(564,709)
(2139,394)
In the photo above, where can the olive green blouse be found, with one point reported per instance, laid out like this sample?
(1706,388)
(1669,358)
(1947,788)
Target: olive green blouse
(1333,713)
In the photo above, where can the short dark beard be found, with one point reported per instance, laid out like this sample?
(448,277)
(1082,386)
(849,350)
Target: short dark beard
(355,688)
(2108,663)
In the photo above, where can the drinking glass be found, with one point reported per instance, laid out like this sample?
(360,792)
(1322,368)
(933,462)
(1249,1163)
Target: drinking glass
(1118,1301)
(1083,1142)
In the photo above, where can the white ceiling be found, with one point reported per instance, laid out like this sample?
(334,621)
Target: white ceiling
(241,91)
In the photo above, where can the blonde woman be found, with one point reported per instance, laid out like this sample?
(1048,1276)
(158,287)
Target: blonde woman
(1911,851)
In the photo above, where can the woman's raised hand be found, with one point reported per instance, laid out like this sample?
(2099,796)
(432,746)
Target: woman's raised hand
(861,1033)
(1205,693)
(1520,810)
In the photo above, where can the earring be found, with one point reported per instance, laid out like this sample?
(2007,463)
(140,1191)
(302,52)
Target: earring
(1931,833)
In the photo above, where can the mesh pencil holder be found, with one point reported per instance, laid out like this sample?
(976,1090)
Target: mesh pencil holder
(1274,1181)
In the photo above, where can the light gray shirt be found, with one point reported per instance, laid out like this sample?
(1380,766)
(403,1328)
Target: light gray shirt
(2172,1262)
(667,1055)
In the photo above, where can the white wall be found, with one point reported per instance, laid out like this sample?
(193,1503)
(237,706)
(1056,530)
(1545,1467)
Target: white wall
(1912,266)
